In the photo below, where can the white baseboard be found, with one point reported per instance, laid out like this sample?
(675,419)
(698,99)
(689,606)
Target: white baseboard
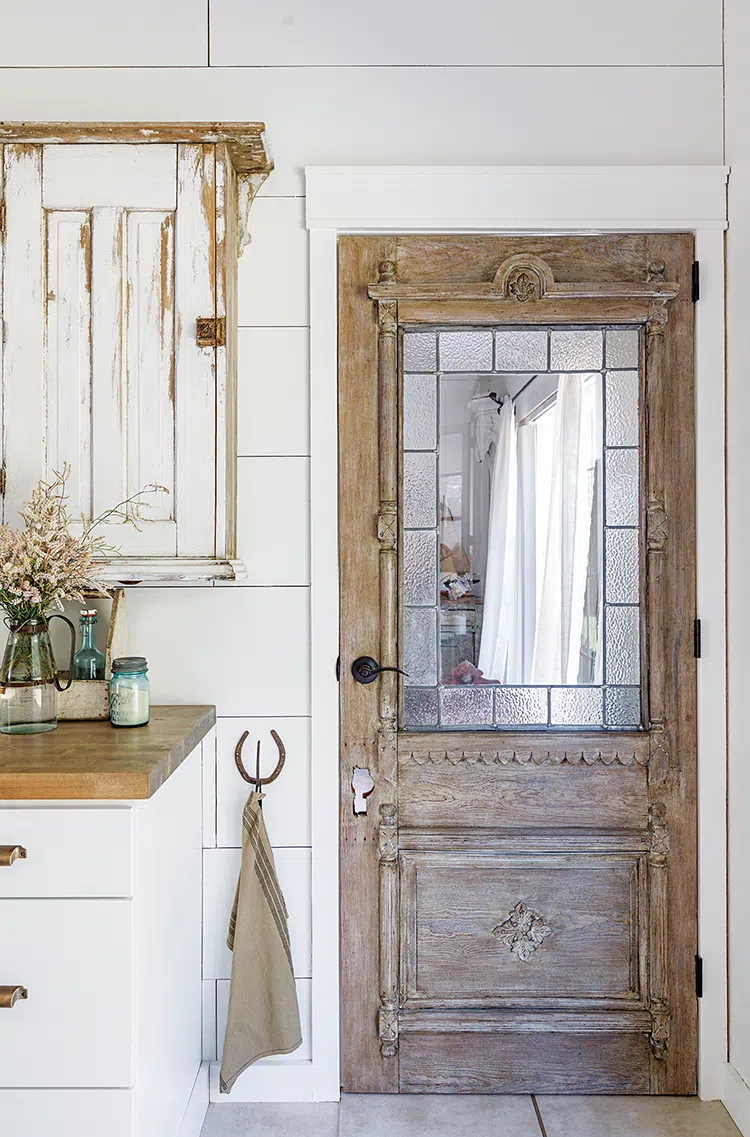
(736,1098)
(286,1081)
(195,1114)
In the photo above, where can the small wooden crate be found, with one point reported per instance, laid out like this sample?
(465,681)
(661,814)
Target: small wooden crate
(88,699)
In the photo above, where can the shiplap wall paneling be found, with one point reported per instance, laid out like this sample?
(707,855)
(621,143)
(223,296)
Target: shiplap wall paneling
(246,650)
(208,794)
(273,277)
(24,422)
(339,33)
(220,872)
(328,116)
(286,807)
(273,520)
(84,33)
(273,391)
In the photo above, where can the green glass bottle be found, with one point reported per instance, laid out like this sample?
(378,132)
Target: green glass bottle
(88,661)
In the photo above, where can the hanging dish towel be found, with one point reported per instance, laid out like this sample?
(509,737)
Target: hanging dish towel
(263,1014)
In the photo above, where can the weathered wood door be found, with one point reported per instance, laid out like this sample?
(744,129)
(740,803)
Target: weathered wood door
(518,855)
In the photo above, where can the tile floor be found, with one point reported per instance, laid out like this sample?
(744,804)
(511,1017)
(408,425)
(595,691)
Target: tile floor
(361,1115)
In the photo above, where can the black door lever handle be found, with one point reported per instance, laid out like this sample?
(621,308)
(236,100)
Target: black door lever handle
(365,669)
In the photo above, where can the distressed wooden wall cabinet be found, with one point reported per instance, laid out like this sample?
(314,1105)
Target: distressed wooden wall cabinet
(118,279)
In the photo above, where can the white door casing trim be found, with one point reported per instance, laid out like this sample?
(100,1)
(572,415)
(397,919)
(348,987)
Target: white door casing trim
(492,199)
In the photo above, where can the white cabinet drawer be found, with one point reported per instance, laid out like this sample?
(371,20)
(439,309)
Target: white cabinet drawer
(69,852)
(75,959)
(66,1113)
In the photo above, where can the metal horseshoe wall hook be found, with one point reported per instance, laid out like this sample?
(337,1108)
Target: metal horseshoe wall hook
(257,781)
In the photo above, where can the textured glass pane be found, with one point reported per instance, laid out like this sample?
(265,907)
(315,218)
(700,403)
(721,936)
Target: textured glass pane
(420,509)
(420,706)
(466,351)
(420,412)
(420,351)
(521,706)
(622,349)
(622,566)
(465,706)
(622,487)
(521,351)
(576,706)
(622,706)
(623,645)
(622,408)
(420,566)
(420,647)
(576,351)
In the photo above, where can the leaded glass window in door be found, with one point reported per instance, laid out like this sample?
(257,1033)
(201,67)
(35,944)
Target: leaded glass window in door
(521,527)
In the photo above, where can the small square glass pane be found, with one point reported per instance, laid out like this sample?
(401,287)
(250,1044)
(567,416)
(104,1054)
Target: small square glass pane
(420,351)
(521,706)
(622,348)
(622,561)
(466,351)
(622,425)
(420,647)
(466,706)
(621,485)
(576,706)
(420,567)
(420,413)
(420,490)
(420,706)
(520,351)
(576,351)
(622,706)
(623,646)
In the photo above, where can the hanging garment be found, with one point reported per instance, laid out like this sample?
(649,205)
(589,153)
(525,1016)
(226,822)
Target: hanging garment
(498,651)
(263,1014)
(557,651)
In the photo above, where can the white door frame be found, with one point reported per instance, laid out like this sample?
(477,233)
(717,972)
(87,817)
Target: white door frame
(531,199)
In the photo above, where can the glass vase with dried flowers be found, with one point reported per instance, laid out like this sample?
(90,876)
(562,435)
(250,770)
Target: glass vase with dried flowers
(43,564)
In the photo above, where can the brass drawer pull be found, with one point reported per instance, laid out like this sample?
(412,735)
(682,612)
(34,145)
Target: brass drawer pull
(10,853)
(9,996)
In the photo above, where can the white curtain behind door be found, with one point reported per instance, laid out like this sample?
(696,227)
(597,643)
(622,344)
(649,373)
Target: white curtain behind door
(557,649)
(498,652)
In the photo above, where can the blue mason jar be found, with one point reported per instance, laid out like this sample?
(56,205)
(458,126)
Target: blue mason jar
(128,692)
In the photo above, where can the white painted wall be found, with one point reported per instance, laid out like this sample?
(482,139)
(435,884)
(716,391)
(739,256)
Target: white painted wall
(570,83)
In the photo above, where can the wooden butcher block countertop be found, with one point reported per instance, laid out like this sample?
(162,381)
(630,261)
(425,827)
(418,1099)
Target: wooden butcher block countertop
(94,760)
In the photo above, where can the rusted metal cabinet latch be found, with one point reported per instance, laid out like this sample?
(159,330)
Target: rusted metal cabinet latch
(211,331)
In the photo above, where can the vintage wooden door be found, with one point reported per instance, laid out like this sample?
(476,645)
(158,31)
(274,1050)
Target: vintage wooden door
(518,848)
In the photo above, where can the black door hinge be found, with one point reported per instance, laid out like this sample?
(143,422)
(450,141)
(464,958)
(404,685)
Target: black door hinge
(338,670)
(696,281)
(699,976)
(697,639)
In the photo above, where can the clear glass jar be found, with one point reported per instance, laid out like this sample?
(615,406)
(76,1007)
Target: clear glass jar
(128,692)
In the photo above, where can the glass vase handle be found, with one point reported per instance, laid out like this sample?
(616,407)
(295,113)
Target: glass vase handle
(58,616)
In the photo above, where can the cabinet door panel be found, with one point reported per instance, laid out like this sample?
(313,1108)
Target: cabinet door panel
(195,367)
(68,362)
(23,349)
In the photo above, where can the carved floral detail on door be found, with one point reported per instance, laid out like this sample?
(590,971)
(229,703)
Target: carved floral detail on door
(523,931)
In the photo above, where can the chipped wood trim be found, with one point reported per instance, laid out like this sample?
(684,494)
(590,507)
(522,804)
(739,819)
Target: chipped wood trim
(389,945)
(246,141)
(142,570)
